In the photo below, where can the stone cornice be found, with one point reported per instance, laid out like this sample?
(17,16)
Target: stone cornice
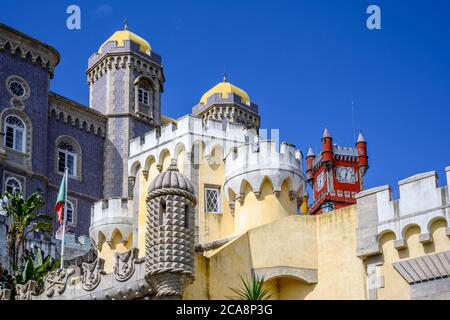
(121,60)
(77,114)
(26,46)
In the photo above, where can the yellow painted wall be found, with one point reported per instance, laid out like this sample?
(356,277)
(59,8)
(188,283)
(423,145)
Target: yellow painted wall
(395,286)
(199,289)
(273,287)
(253,212)
(226,267)
(107,251)
(293,289)
(341,273)
(290,241)
(326,243)
(212,173)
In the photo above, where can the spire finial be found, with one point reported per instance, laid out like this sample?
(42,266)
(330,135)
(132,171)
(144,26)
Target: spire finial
(173,165)
(225,77)
(360,138)
(326,133)
(126,24)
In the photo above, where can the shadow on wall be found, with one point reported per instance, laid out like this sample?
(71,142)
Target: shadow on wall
(289,288)
(414,247)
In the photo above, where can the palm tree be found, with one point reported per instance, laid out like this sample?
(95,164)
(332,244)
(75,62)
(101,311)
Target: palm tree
(251,290)
(23,219)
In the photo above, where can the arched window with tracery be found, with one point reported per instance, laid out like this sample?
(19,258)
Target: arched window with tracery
(144,96)
(68,155)
(15,133)
(13,185)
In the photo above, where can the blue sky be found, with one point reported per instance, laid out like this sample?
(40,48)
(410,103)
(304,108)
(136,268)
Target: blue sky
(303,62)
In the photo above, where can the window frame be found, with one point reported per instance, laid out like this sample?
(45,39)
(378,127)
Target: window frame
(74,151)
(72,222)
(67,153)
(145,93)
(24,90)
(15,129)
(11,178)
(219,199)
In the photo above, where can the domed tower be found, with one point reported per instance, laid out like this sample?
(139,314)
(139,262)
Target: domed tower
(125,78)
(226,101)
(169,245)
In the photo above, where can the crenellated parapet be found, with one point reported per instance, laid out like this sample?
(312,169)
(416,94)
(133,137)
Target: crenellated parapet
(183,136)
(108,217)
(421,203)
(254,163)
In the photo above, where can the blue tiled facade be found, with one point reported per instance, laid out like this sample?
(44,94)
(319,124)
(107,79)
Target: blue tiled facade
(46,127)
(92,170)
(99,134)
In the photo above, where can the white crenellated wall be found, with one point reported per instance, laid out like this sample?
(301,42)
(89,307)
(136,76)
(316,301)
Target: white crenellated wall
(252,163)
(111,215)
(247,156)
(421,202)
(189,131)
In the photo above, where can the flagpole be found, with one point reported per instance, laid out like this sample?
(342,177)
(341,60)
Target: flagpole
(64,219)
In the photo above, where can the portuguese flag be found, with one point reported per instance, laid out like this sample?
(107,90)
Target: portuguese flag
(61,201)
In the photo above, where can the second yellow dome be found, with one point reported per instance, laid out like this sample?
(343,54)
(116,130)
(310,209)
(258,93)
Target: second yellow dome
(224,88)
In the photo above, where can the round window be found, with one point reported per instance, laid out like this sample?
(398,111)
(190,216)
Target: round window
(17,89)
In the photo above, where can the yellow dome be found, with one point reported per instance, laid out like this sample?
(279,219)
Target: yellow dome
(225,88)
(121,36)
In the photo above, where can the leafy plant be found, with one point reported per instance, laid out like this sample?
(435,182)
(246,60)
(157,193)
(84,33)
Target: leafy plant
(251,290)
(36,268)
(5,279)
(23,219)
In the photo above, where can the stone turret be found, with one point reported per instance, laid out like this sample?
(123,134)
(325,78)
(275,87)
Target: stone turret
(126,80)
(170,234)
(363,162)
(327,148)
(309,165)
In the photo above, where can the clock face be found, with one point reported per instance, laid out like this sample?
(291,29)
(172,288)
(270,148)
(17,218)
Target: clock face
(320,181)
(346,174)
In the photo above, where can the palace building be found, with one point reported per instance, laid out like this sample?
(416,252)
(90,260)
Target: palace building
(164,208)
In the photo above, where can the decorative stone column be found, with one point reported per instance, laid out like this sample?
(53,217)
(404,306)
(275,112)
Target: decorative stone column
(169,245)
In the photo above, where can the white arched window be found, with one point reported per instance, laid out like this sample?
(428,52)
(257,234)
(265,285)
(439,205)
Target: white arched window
(67,158)
(70,212)
(15,133)
(12,185)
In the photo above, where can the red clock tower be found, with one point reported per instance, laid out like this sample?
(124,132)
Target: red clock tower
(336,175)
